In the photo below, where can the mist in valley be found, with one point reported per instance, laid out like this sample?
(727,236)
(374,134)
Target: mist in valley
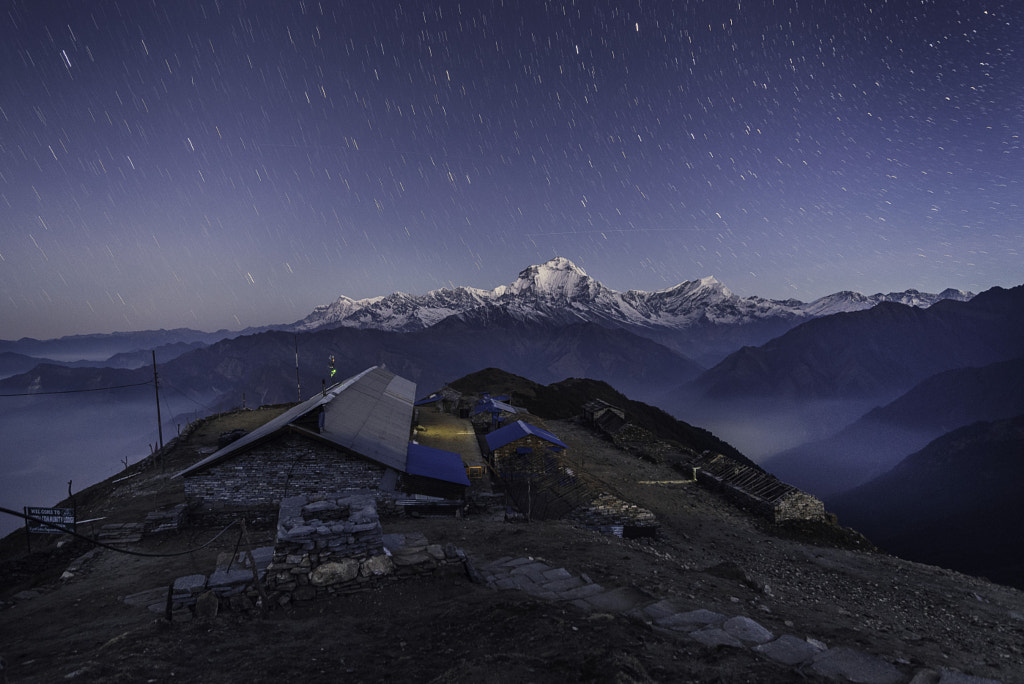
(82,437)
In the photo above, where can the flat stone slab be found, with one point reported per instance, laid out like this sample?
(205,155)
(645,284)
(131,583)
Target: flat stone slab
(662,609)
(506,584)
(558,574)
(690,620)
(189,583)
(745,629)
(619,600)
(715,636)
(558,586)
(789,650)
(855,666)
(222,578)
(531,569)
(581,592)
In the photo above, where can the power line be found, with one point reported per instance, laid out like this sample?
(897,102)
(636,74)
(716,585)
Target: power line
(97,389)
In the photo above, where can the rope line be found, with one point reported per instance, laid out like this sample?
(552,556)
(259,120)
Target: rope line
(114,548)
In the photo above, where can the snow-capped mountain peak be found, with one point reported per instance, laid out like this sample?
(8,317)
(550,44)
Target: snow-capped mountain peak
(559,291)
(557,277)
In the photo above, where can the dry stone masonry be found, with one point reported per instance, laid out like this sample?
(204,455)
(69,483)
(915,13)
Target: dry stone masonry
(326,544)
(609,514)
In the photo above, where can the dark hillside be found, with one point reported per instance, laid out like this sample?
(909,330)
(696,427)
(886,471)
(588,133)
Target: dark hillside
(878,353)
(70,613)
(955,503)
(884,436)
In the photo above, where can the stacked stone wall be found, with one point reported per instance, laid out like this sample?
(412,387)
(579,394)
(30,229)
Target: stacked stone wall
(289,465)
(326,544)
(799,506)
(609,514)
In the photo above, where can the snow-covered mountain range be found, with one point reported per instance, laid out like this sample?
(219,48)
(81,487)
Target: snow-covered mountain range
(559,291)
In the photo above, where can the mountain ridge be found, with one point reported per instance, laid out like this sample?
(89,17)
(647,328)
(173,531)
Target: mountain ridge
(879,352)
(558,289)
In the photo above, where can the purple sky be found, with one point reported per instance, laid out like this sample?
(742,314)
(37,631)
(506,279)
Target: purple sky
(224,164)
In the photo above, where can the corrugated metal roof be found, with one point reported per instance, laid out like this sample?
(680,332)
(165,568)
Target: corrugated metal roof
(517,430)
(369,413)
(436,463)
(373,417)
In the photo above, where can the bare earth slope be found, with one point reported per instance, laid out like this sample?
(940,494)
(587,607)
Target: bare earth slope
(445,628)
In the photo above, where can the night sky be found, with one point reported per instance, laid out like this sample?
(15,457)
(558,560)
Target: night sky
(220,164)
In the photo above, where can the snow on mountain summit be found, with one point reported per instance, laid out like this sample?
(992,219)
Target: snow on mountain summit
(558,278)
(561,292)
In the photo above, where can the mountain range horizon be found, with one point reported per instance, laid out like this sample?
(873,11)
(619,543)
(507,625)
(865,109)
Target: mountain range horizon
(557,276)
(825,395)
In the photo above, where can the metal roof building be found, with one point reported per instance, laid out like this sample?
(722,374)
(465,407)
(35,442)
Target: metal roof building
(518,430)
(369,413)
(366,419)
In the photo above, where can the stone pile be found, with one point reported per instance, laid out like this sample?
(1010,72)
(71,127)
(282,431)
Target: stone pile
(609,514)
(165,520)
(412,554)
(326,544)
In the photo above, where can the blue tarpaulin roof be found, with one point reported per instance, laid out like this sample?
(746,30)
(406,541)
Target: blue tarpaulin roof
(517,430)
(493,406)
(435,463)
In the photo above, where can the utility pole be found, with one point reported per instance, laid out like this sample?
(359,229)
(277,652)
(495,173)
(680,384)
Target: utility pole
(159,426)
(298,385)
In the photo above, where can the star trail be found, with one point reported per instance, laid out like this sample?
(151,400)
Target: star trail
(219,164)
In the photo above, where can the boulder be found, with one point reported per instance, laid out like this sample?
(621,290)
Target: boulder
(334,572)
(376,566)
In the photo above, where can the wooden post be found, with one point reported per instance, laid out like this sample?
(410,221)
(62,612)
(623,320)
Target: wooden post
(159,423)
(264,601)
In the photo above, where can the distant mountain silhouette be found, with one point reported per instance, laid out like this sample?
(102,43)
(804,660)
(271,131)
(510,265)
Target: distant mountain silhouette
(955,503)
(878,353)
(263,365)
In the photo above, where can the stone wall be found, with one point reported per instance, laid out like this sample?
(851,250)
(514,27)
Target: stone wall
(333,544)
(756,490)
(609,514)
(799,505)
(326,544)
(264,475)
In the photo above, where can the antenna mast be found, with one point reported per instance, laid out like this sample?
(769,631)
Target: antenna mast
(159,425)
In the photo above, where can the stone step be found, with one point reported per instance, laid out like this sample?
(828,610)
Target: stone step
(706,627)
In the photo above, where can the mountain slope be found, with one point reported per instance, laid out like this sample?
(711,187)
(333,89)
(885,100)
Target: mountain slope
(263,365)
(565,400)
(955,503)
(884,436)
(877,353)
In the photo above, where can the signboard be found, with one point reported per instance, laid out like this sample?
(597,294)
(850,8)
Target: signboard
(62,518)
